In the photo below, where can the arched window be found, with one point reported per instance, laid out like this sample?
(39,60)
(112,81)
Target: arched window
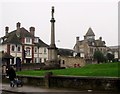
(18,48)
(13,48)
(28,50)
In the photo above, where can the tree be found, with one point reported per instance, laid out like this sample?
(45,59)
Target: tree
(98,56)
(110,57)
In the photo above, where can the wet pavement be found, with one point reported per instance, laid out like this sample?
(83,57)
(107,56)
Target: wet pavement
(6,89)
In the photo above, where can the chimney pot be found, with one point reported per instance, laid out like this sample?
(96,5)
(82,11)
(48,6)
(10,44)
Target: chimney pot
(77,38)
(32,28)
(18,24)
(100,38)
(6,30)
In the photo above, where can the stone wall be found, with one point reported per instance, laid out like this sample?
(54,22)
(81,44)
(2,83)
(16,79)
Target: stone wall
(72,82)
(69,62)
(86,83)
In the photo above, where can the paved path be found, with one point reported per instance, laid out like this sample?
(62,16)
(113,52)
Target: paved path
(25,89)
(6,89)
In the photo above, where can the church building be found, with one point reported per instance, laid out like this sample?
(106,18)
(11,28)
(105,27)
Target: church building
(86,48)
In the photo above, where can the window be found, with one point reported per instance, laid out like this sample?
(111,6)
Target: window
(40,59)
(81,50)
(35,60)
(28,40)
(36,40)
(28,51)
(18,48)
(35,50)
(44,50)
(45,59)
(63,62)
(91,50)
(13,48)
(93,43)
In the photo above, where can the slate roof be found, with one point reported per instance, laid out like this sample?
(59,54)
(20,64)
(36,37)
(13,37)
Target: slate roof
(100,43)
(90,32)
(97,43)
(12,38)
(23,32)
(41,44)
(65,52)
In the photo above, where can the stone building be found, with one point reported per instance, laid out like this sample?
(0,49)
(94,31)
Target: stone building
(115,50)
(86,48)
(24,44)
(68,59)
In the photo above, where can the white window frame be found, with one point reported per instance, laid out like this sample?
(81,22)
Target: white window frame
(35,50)
(36,40)
(18,50)
(28,40)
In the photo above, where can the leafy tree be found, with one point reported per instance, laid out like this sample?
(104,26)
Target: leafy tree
(110,57)
(98,55)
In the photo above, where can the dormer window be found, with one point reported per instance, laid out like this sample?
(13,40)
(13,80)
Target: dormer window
(28,40)
(36,40)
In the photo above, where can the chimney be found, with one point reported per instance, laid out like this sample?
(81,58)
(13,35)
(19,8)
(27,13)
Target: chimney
(6,30)
(18,29)
(32,31)
(18,25)
(100,38)
(77,39)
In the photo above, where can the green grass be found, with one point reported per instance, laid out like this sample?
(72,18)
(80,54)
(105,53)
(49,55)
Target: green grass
(101,70)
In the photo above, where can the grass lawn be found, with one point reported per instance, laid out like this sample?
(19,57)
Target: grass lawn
(102,70)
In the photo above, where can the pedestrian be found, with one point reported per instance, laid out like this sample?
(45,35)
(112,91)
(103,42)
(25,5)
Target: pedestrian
(12,76)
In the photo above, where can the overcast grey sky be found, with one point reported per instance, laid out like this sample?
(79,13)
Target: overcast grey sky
(73,18)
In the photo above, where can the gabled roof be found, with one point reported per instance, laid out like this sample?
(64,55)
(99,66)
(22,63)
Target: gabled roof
(41,44)
(90,32)
(23,32)
(12,38)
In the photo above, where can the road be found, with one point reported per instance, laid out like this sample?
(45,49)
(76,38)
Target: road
(6,89)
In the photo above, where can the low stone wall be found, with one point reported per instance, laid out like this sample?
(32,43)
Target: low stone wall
(86,83)
(72,82)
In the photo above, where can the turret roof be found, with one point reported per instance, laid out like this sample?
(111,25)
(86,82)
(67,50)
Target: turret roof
(90,32)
